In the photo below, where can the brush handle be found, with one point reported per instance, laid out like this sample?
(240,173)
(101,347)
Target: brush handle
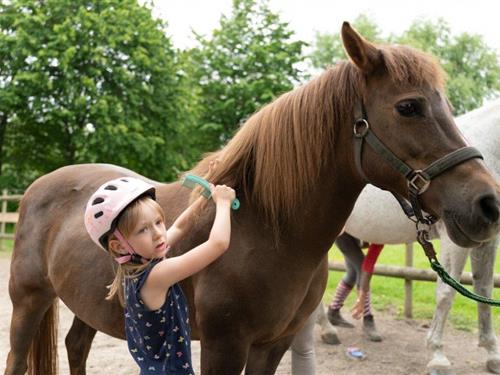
(191,180)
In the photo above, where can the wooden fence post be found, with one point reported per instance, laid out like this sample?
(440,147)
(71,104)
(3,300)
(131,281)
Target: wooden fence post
(408,282)
(2,224)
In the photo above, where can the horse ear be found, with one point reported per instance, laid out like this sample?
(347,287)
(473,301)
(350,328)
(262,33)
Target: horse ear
(364,54)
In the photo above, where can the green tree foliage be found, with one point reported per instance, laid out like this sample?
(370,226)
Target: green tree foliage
(328,48)
(89,81)
(249,60)
(473,68)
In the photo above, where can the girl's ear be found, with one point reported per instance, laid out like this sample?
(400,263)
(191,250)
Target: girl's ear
(115,245)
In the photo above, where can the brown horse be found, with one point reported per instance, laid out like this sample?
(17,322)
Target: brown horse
(293,168)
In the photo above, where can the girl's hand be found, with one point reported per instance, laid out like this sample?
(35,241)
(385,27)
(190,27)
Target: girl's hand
(357,310)
(222,193)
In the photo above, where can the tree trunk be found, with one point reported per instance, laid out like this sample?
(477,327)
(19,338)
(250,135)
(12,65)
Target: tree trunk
(69,149)
(3,129)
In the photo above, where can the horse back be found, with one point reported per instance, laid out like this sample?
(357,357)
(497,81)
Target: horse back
(56,199)
(53,251)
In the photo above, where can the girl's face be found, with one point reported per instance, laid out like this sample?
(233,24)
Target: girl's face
(149,236)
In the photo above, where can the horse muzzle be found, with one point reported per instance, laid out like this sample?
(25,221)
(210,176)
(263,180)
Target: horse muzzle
(471,225)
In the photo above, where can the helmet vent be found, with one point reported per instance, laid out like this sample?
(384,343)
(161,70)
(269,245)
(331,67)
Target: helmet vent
(98,214)
(97,201)
(111,187)
(124,180)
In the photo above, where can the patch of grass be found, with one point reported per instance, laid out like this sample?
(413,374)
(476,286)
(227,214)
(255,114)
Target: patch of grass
(7,246)
(388,293)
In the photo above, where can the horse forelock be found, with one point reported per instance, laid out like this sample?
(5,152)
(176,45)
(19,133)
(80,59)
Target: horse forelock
(276,157)
(408,66)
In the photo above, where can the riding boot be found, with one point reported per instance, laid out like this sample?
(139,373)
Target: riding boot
(337,320)
(370,330)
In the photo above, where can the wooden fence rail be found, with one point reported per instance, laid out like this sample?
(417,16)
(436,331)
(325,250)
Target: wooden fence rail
(409,274)
(7,217)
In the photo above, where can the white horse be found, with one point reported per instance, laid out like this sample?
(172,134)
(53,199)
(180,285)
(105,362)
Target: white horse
(378,218)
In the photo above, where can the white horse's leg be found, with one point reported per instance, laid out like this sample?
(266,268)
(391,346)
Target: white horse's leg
(453,260)
(302,347)
(483,262)
(328,332)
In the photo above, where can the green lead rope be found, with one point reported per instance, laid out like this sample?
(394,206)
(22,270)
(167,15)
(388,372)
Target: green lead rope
(447,279)
(428,247)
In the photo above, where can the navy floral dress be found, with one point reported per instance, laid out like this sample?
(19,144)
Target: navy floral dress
(159,340)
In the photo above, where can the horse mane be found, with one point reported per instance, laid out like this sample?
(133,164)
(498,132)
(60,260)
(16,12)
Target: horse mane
(276,156)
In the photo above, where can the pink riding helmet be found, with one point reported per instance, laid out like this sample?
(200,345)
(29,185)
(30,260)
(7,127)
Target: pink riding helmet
(106,204)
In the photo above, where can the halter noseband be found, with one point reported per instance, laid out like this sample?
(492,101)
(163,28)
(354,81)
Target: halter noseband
(418,180)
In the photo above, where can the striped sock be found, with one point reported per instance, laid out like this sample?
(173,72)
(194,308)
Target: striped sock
(341,293)
(367,307)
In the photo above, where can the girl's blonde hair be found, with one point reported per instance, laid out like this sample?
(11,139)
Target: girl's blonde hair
(127,222)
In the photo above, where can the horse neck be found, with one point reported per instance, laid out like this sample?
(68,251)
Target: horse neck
(481,128)
(330,203)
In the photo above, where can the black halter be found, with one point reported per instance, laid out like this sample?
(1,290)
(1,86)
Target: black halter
(418,180)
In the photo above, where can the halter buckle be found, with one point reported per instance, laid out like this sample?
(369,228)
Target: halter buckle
(360,128)
(423,229)
(419,182)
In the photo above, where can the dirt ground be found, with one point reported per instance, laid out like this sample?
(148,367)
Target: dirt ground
(403,350)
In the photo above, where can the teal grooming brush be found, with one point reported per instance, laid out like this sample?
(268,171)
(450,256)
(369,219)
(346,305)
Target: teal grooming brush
(190,181)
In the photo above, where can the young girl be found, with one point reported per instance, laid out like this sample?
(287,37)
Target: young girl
(122,217)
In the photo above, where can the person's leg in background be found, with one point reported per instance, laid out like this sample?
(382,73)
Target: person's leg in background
(353,255)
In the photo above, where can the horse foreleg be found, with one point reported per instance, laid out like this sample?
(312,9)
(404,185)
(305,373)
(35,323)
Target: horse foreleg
(78,342)
(223,354)
(329,333)
(32,331)
(482,262)
(264,359)
(453,260)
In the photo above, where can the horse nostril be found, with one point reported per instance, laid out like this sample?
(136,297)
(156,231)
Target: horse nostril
(489,208)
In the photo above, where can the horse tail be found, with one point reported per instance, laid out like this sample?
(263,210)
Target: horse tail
(42,357)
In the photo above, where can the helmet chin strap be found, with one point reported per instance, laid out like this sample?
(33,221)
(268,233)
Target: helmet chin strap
(133,256)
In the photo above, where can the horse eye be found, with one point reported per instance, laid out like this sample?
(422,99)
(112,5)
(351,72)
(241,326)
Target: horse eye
(409,108)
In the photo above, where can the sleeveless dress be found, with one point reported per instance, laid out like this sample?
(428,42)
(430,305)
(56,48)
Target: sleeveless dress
(159,340)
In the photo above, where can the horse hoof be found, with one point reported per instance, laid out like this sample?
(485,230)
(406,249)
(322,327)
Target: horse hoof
(441,368)
(493,364)
(440,365)
(437,371)
(330,338)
